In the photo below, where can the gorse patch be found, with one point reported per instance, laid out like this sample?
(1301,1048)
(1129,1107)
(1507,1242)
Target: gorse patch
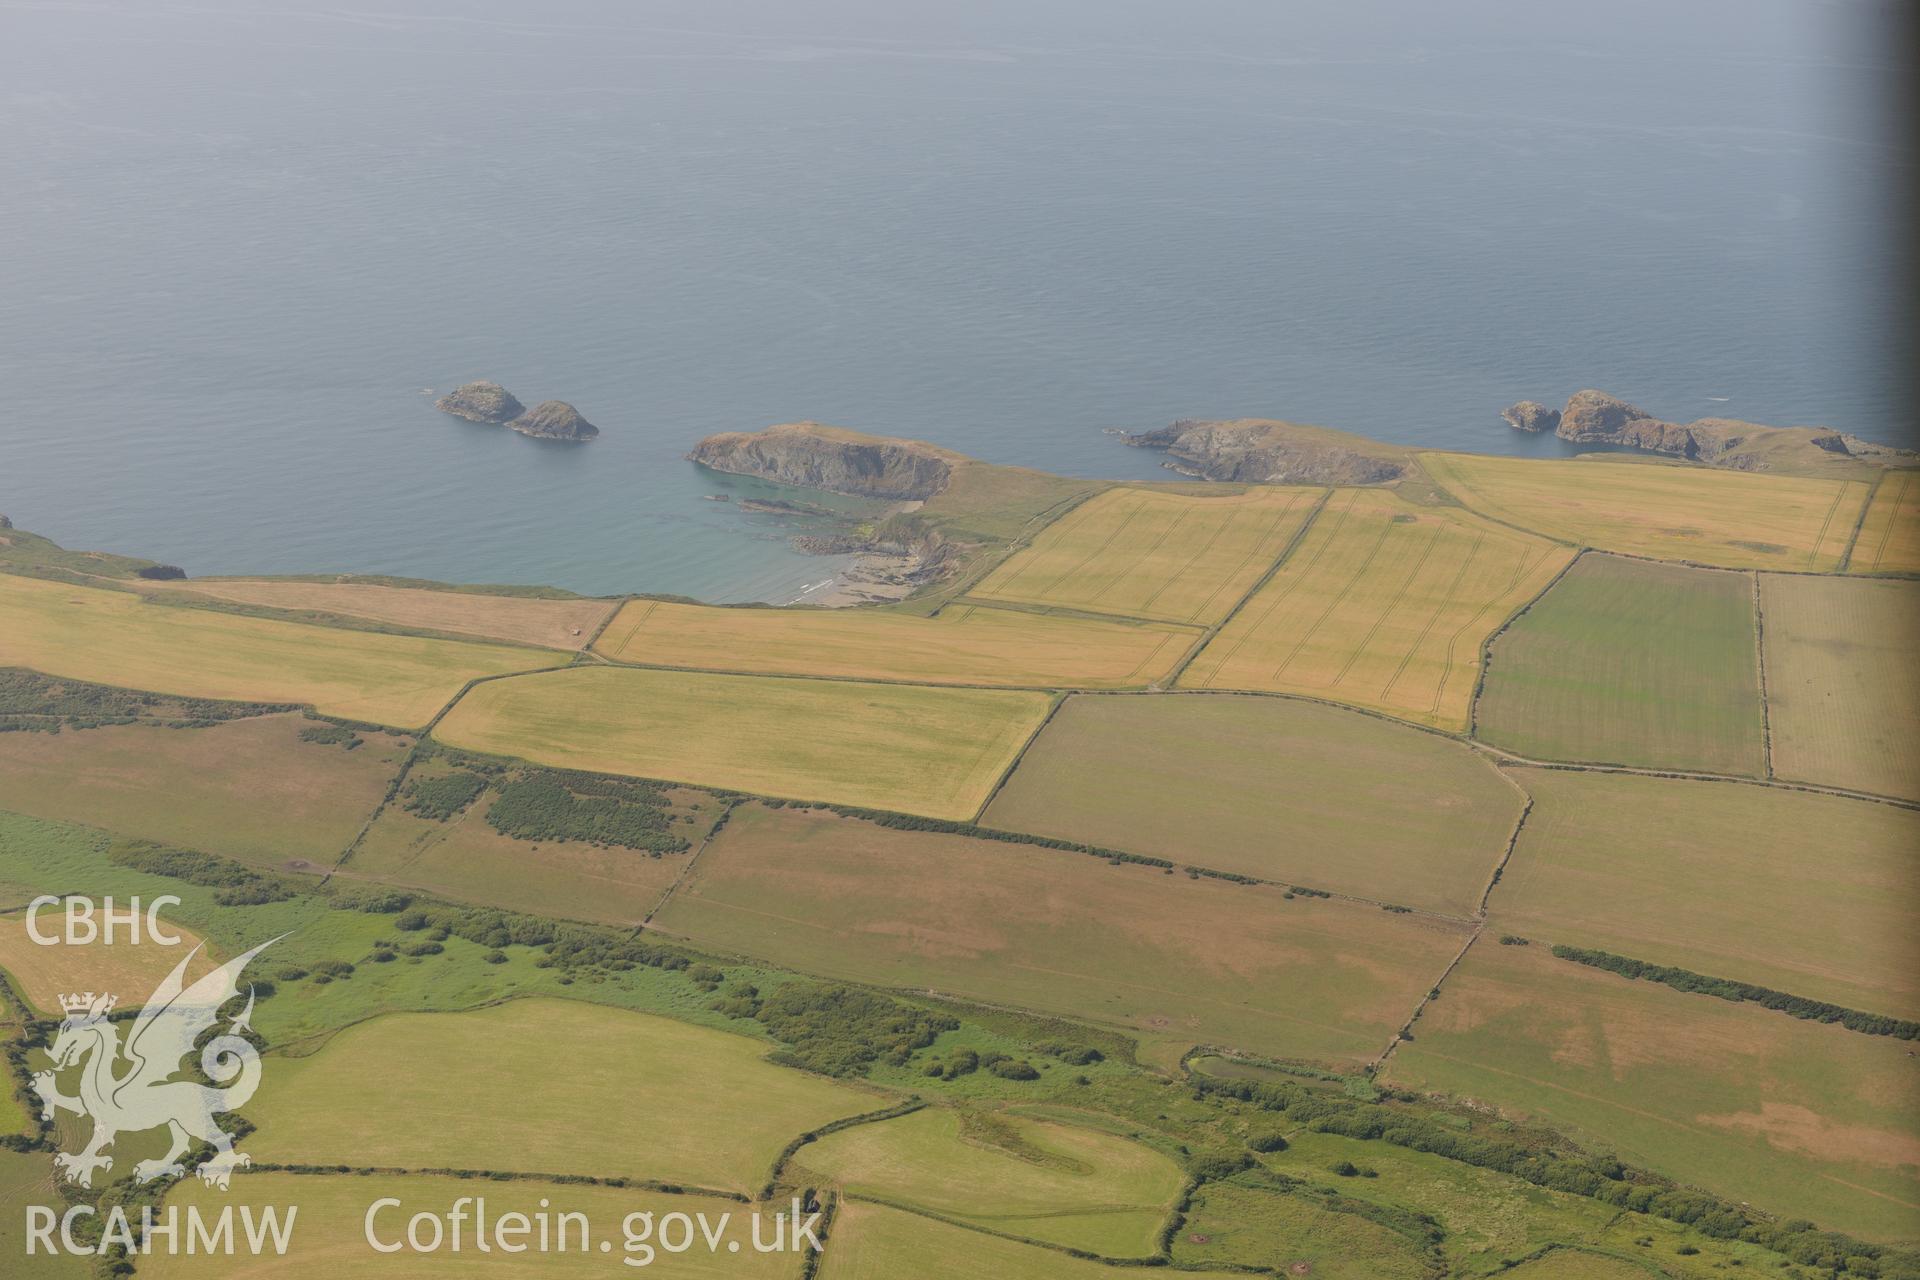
(554,804)
(838,1031)
(443,797)
(234,884)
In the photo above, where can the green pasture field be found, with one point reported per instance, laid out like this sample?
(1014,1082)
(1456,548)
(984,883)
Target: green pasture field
(511,619)
(1028,1178)
(56,857)
(1843,688)
(874,1242)
(1268,787)
(1889,538)
(670,1102)
(248,789)
(466,860)
(1385,605)
(113,637)
(1147,553)
(1579,1264)
(1733,519)
(1248,1221)
(26,1178)
(916,749)
(965,644)
(1800,1118)
(1176,959)
(329,1237)
(1805,893)
(1490,1218)
(1626,662)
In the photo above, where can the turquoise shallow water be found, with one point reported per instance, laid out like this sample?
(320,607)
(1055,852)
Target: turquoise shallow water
(238,246)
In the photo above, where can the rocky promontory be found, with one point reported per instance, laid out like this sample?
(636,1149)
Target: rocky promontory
(481,402)
(490,402)
(1265,451)
(1531,415)
(1595,417)
(814,456)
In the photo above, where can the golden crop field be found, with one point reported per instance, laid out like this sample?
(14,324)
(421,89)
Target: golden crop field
(1793,1116)
(113,637)
(1843,689)
(1175,959)
(43,973)
(965,644)
(670,1101)
(1733,519)
(1384,604)
(1889,539)
(913,748)
(551,624)
(1692,874)
(1150,554)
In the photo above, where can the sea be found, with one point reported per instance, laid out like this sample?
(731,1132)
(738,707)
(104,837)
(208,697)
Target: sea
(245,243)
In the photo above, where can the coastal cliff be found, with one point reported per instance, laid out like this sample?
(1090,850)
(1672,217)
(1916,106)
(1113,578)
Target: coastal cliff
(1595,417)
(814,456)
(1265,451)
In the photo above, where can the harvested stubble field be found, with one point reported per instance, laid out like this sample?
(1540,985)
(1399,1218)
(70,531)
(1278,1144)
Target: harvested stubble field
(916,749)
(670,1102)
(874,1242)
(43,972)
(1066,1186)
(330,1241)
(531,620)
(1626,662)
(1843,689)
(1889,539)
(1734,519)
(1268,787)
(1151,554)
(1175,958)
(965,644)
(1695,874)
(1384,604)
(1796,1117)
(466,860)
(116,638)
(248,789)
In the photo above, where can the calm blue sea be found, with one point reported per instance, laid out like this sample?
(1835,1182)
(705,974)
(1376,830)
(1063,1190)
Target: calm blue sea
(243,244)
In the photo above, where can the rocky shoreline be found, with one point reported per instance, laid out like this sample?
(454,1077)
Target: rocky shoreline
(1268,451)
(811,455)
(1595,417)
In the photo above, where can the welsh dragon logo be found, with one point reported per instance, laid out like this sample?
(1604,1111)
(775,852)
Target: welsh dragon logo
(128,1087)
